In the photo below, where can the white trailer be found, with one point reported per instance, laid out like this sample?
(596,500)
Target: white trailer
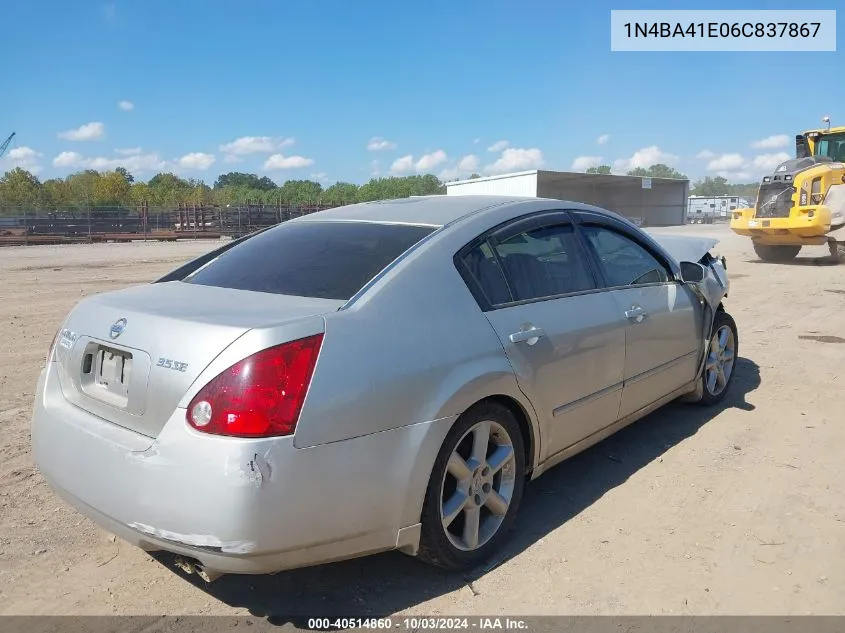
(710,209)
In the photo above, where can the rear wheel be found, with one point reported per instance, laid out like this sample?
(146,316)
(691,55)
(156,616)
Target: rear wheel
(776,253)
(721,359)
(475,489)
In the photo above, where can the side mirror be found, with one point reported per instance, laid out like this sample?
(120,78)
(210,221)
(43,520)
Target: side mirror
(692,272)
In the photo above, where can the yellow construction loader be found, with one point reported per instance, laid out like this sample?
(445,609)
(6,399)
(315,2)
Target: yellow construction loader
(802,203)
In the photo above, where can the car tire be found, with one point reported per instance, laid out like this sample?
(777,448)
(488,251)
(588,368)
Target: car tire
(776,253)
(722,353)
(464,490)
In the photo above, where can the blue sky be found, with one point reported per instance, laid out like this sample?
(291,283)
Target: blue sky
(300,89)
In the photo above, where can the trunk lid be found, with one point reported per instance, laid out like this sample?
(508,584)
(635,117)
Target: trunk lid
(129,356)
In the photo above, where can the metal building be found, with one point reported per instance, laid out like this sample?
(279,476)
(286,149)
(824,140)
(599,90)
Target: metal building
(647,201)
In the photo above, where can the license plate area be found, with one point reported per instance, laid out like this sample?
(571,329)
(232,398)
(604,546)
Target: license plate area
(106,374)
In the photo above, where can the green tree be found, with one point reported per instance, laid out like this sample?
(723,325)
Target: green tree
(249,181)
(657,171)
(111,188)
(168,189)
(600,169)
(57,194)
(126,175)
(340,192)
(139,193)
(717,186)
(83,186)
(20,188)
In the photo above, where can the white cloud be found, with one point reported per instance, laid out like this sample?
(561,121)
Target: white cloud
(583,163)
(427,162)
(466,166)
(513,159)
(603,139)
(705,154)
(645,157)
(727,162)
(320,177)
(498,146)
(23,157)
(279,161)
(197,160)
(68,159)
(402,165)
(126,106)
(232,159)
(469,163)
(737,167)
(129,151)
(476,141)
(87,132)
(378,144)
(772,142)
(256,145)
(136,163)
(768,162)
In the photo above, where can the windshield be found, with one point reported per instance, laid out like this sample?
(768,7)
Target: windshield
(832,145)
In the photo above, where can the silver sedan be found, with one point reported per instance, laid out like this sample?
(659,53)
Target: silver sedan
(378,376)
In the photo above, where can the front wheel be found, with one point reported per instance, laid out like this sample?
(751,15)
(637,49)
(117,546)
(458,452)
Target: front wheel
(475,489)
(721,360)
(776,252)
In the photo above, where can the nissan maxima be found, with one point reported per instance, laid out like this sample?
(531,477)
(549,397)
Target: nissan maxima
(378,376)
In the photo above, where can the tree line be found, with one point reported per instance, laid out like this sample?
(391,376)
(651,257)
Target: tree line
(707,186)
(90,188)
(22,189)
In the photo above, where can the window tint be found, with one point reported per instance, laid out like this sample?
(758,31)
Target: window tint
(328,260)
(625,262)
(483,266)
(544,262)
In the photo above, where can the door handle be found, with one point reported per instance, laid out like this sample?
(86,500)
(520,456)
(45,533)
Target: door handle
(635,314)
(530,335)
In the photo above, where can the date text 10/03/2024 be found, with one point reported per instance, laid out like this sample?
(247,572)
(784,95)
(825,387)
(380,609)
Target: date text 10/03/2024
(413,623)
(722,29)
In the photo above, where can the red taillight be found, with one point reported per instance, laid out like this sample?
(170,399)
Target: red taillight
(261,396)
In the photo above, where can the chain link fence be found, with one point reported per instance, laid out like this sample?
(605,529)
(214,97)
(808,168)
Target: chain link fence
(24,224)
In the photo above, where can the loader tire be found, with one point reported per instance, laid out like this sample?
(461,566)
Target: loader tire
(776,253)
(837,251)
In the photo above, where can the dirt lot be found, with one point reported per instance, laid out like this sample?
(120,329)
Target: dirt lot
(738,510)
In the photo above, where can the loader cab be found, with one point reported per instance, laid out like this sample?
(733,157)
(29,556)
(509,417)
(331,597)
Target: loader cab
(821,143)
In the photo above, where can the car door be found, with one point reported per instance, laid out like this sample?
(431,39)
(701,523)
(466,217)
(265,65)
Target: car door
(564,339)
(663,329)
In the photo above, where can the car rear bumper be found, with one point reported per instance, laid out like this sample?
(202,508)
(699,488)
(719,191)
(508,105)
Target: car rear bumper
(236,505)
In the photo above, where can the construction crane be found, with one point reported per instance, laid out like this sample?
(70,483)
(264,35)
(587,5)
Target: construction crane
(5,144)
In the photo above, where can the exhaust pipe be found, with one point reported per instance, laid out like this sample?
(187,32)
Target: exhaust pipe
(190,567)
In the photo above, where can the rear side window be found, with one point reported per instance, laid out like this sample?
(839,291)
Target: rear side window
(544,262)
(326,260)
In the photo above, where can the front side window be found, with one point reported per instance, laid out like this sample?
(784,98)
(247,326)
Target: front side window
(625,263)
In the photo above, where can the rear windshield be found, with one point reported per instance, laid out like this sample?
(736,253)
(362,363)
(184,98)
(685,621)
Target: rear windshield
(326,260)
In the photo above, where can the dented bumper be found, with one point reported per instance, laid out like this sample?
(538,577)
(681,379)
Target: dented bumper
(235,505)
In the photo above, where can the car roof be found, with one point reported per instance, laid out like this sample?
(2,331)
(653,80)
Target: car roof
(436,211)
